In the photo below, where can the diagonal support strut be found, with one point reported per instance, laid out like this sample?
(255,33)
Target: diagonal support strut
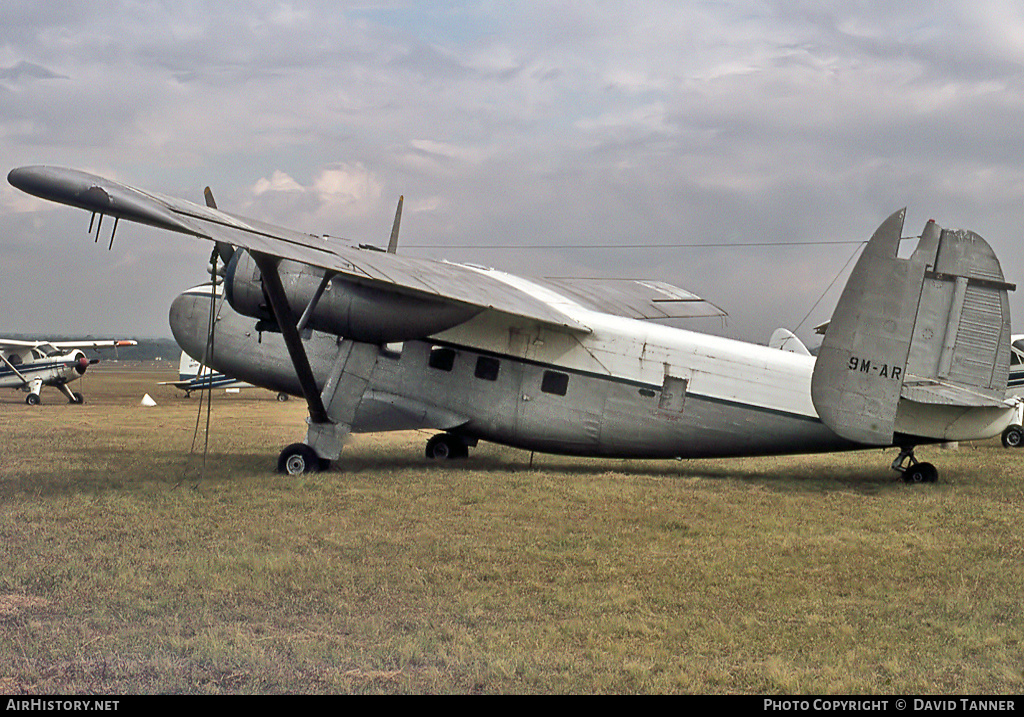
(268,266)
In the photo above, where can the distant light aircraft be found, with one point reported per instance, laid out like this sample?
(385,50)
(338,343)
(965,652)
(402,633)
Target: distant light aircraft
(194,376)
(30,365)
(1013,436)
(917,350)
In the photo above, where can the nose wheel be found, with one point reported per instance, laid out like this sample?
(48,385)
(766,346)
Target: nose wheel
(915,472)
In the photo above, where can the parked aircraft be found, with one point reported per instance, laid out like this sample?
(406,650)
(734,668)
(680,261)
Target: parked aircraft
(1013,436)
(917,350)
(194,376)
(30,365)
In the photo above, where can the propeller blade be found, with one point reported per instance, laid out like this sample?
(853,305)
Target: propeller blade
(222,249)
(393,244)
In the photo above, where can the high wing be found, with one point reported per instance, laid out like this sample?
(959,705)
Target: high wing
(635,299)
(113,343)
(66,345)
(453,283)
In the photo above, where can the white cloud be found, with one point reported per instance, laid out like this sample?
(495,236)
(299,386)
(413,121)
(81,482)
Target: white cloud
(278,182)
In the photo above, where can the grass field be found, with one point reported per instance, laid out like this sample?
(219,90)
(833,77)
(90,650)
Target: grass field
(125,570)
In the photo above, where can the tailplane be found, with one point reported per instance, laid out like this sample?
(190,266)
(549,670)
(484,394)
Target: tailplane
(915,342)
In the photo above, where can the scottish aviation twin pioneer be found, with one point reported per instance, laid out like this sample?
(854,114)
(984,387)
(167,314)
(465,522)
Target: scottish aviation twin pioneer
(917,351)
(30,365)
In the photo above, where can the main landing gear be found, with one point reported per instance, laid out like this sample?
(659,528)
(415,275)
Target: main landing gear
(298,458)
(446,446)
(915,472)
(1013,437)
(73,398)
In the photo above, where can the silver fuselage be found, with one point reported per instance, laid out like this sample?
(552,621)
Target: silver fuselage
(628,388)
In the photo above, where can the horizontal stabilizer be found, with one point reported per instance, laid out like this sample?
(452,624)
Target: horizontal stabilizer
(932,329)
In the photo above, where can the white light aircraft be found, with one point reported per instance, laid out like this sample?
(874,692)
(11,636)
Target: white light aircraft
(30,365)
(194,376)
(1013,435)
(917,350)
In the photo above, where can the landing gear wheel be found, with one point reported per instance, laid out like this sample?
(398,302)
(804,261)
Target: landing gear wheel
(1013,437)
(445,446)
(32,399)
(298,458)
(79,399)
(282,396)
(921,473)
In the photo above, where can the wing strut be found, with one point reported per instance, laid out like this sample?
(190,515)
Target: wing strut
(286,321)
(311,307)
(18,373)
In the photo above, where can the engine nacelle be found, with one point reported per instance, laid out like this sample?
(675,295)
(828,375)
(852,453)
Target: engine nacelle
(347,308)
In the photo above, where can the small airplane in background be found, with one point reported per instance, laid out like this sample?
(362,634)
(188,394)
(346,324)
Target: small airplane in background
(30,365)
(194,376)
(917,350)
(1013,436)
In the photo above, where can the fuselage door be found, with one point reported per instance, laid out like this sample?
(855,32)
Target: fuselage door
(673,394)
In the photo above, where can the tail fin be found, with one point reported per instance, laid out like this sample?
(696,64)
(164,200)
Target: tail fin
(786,340)
(188,367)
(932,329)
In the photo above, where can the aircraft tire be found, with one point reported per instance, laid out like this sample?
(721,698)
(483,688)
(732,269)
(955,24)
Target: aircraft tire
(298,458)
(1013,437)
(921,473)
(79,399)
(445,446)
(32,399)
(282,396)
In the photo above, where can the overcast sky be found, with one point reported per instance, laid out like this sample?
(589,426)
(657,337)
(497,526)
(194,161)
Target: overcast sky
(514,124)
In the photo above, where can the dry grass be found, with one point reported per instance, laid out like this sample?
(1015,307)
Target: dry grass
(123,571)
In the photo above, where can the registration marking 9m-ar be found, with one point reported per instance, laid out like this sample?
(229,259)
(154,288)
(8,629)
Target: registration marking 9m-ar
(883,370)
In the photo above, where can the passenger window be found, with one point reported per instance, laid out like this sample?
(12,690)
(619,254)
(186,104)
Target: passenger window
(554,382)
(487,368)
(441,358)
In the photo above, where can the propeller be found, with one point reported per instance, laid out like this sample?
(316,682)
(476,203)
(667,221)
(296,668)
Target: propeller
(81,364)
(221,250)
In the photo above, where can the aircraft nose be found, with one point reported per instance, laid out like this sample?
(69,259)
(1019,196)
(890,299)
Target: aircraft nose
(189,319)
(82,364)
